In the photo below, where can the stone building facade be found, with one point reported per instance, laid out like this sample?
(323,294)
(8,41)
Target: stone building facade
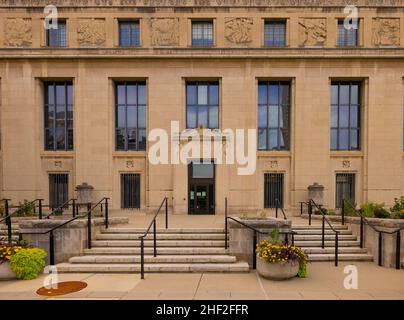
(163,58)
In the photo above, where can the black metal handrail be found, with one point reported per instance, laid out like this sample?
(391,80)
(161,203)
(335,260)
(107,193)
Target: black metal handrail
(279,206)
(87,215)
(324,219)
(141,238)
(60,208)
(363,222)
(255,230)
(8,217)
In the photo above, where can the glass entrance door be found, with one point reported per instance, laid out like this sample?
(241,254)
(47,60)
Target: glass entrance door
(201,189)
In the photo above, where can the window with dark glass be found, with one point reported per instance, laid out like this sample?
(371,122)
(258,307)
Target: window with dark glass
(347,37)
(203,105)
(275,33)
(273,190)
(130,116)
(273,115)
(202,33)
(58,117)
(344,188)
(57,37)
(345,115)
(129,35)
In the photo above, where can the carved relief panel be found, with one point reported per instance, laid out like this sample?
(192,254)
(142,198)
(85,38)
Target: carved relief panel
(91,32)
(18,32)
(386,32)
(238,30)
(312,32)
(165,32)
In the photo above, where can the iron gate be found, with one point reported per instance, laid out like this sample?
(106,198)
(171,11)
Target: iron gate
(273,189)
(58,189)
(130,190)
(344,188)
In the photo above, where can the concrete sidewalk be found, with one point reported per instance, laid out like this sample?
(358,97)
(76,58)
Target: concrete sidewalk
(324,281)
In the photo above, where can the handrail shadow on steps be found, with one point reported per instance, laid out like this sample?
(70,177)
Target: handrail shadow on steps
(255,230)
(364,221)
(141,238)
(85,215)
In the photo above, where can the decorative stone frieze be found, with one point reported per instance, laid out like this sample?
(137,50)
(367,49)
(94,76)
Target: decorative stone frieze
(165,32)
(238,30)
(386,32)
(18,32)
(312,32)
(91,32)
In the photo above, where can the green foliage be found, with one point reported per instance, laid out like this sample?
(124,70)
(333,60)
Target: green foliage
(28,263)
(263,214)
(323,210)
(368,208)
(330,212)
(302,273)
(26,209)
(381,213)
(350,207)
(274,235)
(398,205)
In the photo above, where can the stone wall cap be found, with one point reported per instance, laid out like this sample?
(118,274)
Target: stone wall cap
(260,223)
(47,224)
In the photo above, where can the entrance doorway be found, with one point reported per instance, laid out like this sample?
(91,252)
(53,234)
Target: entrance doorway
(201,188)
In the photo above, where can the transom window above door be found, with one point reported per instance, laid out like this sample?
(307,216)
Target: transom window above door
(202,104)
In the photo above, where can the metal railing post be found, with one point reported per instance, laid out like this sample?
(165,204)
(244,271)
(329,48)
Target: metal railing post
(51,249)
(343,212)
(142,258)
(310,209)
(225,223)
(254,247)
(166,208)
(361,232)
(8,221)
(276,208)
(301,208)
(89,226)
(40,209)
(154,239)
(74,208)
(398,250)
(106,214)
(293,239)
(336,249)
(323,233)
(380,249)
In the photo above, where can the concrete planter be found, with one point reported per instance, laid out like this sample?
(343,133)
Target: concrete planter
(277,271)
(6,273)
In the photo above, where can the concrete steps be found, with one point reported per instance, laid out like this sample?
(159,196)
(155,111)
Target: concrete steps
(309,238)
(117,250)
(157,267)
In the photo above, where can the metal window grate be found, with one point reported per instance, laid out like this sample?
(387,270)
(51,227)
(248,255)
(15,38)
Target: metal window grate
(57,37)
(58,189)
(275,33)
(129,34)
(130,191)
(344,188)
(347,37)
(273,189)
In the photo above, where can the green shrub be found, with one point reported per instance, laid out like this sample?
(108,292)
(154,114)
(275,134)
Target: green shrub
(28,263)
(398,205)
(26,209)
(397,215)
(381,213)
(368,208)
(323,210)
(330,212)
(350,207)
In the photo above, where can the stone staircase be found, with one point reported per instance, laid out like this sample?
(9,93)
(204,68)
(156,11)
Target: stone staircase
(4,232)
(117,250)
(309,239)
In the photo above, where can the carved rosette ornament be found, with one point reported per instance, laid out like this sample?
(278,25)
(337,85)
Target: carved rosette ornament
(91,32)
(18,32)
(386,32)
(312,32)
(165,32)
(238,30)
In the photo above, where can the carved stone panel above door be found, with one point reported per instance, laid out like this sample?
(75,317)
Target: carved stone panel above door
(238,30)
(165,32)
(17,32)
(91,32)
(386,32)
(312,32)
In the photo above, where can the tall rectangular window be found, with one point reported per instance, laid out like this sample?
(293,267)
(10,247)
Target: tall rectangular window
(57,37)
(273,115)
(129,34)
(203,104)
(347,37)
(275,33)
(273,190)
(344,188)
(202,33)
(58,117)
(345,115)
(130,116)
